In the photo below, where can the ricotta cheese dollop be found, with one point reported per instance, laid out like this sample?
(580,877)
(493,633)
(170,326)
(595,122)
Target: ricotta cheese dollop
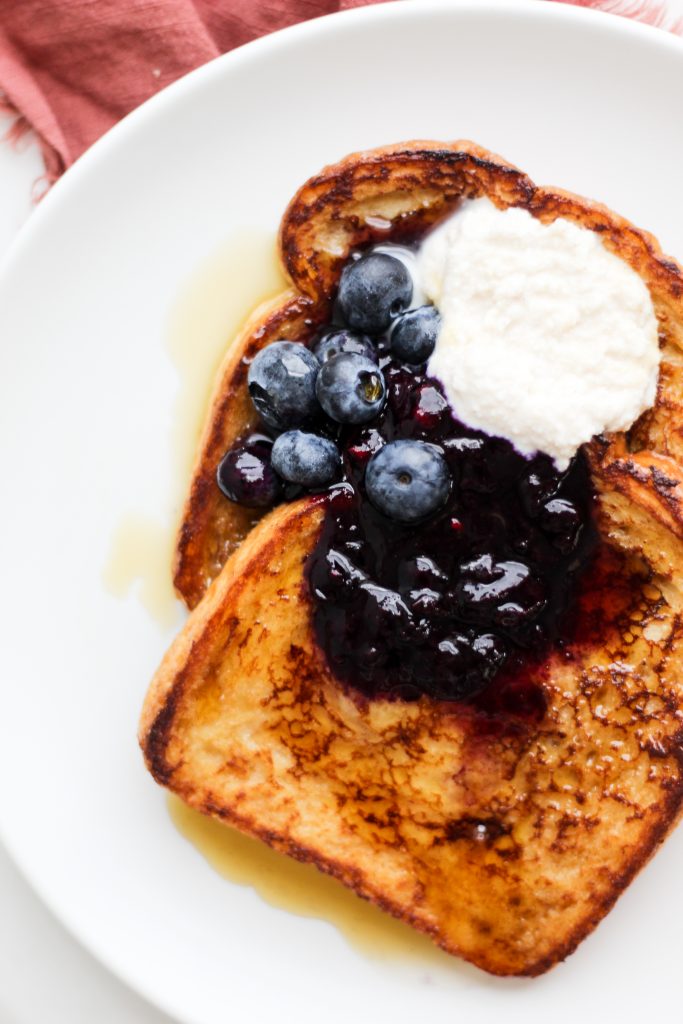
(547,338)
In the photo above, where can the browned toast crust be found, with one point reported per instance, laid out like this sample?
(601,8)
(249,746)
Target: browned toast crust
(507,849)
(407,188)
(212,527)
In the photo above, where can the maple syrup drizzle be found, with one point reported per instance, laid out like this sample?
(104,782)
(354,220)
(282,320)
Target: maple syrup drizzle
(302,889)
(217,299)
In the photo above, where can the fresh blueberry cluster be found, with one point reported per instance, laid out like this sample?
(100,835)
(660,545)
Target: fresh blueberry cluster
(339,383)
(447,560)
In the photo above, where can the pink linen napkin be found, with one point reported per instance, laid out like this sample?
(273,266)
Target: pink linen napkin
(70,69)
(651,12)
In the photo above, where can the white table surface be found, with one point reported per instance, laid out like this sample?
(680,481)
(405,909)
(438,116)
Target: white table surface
(46,977)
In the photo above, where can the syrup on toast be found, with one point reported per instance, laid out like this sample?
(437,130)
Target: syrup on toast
(507,847)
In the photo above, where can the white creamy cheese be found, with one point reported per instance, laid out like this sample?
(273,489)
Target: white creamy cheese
(547,338)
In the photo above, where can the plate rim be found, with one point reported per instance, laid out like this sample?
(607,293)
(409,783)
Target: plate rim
(556,11)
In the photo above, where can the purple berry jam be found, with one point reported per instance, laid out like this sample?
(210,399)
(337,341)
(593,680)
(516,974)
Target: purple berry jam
(465,569)
(454,607)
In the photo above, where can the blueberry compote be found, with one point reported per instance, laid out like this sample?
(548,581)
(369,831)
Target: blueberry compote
(474,593)
(448,563)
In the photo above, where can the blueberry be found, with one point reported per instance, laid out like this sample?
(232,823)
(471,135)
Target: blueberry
(426,602)
(414,334)
(306,459)
(334,342)
(457,670)
(342,577)
(420,572)
(350,388)
(562,520)
(461,665)
(407,480)
(245,475)
(491,650)
(373,291)
(281,383)
(559,516)
(385,610)
(504,593)
(540,483)
(401,386)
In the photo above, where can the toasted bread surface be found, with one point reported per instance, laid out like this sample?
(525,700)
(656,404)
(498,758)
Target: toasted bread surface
(506,848)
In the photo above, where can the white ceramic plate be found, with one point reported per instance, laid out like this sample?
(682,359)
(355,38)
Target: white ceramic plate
(87,393)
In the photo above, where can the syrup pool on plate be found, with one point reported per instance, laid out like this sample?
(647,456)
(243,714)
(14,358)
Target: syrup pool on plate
(212,307)
(217,300)
(140,555)
(302,889)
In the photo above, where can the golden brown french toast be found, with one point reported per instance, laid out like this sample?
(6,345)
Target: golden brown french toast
(507,841)
(506,850)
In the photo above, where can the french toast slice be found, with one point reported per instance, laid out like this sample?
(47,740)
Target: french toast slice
(507,850)
(394,193)
(507,847)
(212,527)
